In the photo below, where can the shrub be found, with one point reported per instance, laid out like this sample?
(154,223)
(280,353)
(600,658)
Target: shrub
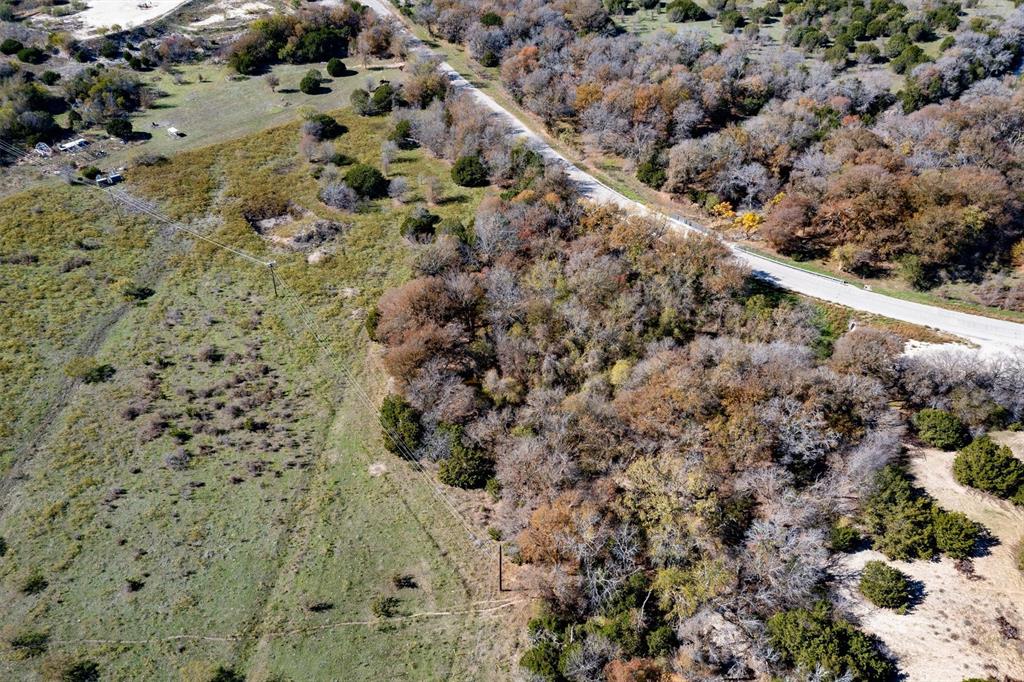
(941,429)
(542,660)
(419,223)
(29,644)
(491,19)
(402,135)
(990,467)
(49,77)
(120,128)
(401,425)
(885,586)
(31,55)
(465,467)
(651,174)
(685,10)
(490,59)
(109,49)
(367,181)
(137,293)
(955,534)
(843,538)
(34,584)
(323,127)
(90,172)
(225,674)
(384,606)
(811,639)
(336,67)
(372,318)
(81,671)
(469,171)
(3,546)
(310,83)
(1019,555)
(98,374)
(11,46)
(339,195)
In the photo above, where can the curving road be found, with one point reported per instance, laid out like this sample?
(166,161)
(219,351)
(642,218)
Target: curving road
(991,335)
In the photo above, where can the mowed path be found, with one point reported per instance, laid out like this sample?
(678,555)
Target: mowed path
(991,335)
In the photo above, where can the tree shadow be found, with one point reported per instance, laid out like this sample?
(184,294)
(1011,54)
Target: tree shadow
(286,91)
(456,199)
(916,593)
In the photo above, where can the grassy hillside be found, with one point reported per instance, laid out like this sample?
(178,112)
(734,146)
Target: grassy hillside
(188,511)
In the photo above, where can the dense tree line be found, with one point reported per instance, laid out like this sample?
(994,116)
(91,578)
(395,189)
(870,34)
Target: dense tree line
(812,147)
(676,449)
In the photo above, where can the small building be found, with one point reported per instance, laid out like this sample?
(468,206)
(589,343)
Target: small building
(73,145)
(174,132)
(106,180)
(44,150)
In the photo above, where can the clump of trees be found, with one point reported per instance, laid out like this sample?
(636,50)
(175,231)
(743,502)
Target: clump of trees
(814,639)
(312,35)
(992,468)
(904,522)
(885,586)
(842,168)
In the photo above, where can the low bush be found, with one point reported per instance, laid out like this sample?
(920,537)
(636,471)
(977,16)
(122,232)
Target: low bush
(81,671)
(339,195)
(989,467)
(3,546)
(323,127)
(90,172)
(419,223)
(466,466)
(651,174)
(29,644)
(310,83)
(384,606)
(844,538)
(955,534)
(941,429)
(49,77)
(226,674)
(401,425)
(1019,555)
(31,55)
(885,586)
(336,67)
(469,171)
(34,584)
(367,181)
(137,293)
(11,46)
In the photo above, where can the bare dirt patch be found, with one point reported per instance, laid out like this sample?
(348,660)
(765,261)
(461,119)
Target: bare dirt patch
(960,628)
(378,469)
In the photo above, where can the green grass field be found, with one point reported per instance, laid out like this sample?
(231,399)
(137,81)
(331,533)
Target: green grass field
(188,511)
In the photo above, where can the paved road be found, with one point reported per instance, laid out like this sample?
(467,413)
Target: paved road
(989,334)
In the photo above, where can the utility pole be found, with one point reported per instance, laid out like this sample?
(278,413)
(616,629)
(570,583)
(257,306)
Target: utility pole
(273,275)
(501,566)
